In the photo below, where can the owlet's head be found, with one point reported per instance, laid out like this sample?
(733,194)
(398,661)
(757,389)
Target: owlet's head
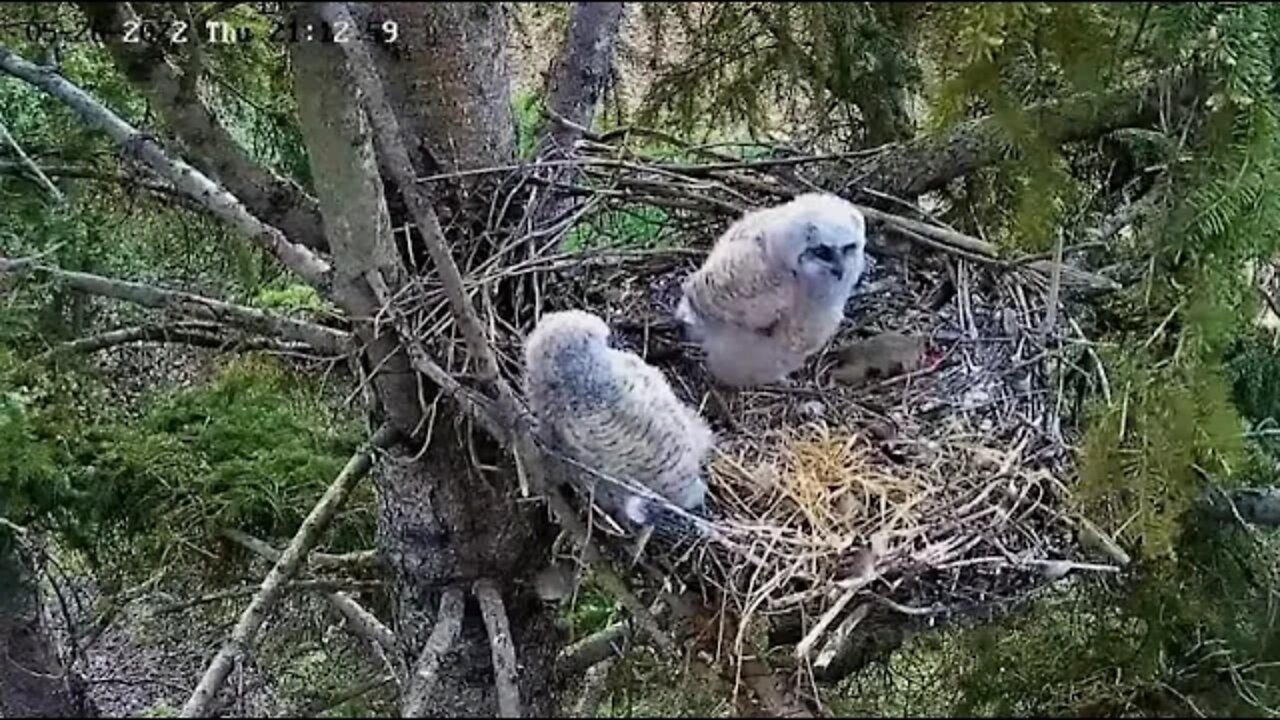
(824,240)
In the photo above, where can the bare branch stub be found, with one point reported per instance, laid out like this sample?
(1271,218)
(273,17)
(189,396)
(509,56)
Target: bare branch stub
(494,612)
(443,636)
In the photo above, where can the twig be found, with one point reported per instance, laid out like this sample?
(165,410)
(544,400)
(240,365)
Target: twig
(443,636)
(324,339)
(183,333)
(500,642)
(595,685)
(286,567)
(30,165)
(191,181)
(320,585)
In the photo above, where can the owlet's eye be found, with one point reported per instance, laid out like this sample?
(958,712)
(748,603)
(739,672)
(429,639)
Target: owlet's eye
(824,253)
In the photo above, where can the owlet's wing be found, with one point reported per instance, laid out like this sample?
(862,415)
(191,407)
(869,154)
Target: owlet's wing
(736,284)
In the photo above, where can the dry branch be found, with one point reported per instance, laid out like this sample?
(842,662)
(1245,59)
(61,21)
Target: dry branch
(277,200)
(918,166)
(323,339)
(29,166)
(594,649)
(286,567)
(197,334)
(357,560)
(182,176)
(494,613)
(839,642)
(443,636)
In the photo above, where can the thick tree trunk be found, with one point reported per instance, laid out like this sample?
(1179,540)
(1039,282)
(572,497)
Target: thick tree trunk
(33,682)
(442,524)
(450,78)
(578,79)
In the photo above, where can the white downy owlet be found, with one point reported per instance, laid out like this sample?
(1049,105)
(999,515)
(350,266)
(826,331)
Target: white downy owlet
(611,412)
(773,289)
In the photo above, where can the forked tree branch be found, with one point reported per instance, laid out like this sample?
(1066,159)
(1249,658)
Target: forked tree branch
(577,82)
(323,339)
(182,176)
(273,586)
(277,200)
(362,622)
(579,76)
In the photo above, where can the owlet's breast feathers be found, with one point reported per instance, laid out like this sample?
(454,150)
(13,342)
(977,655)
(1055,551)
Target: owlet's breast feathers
(773,288)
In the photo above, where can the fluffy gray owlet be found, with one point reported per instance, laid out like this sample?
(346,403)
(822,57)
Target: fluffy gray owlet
(610,411)
(773,289)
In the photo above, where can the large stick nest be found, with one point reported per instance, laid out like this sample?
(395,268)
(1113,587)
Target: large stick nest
(929,492)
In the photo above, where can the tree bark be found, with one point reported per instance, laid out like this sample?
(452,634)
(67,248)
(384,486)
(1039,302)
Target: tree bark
(33,682)
(928,163)
(442,524)
(449,77)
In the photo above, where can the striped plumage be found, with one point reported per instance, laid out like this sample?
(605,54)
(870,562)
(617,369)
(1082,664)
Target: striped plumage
(609,410)
(772,290)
